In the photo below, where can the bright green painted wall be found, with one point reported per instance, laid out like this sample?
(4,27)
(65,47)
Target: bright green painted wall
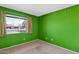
(61,28)
(13,39)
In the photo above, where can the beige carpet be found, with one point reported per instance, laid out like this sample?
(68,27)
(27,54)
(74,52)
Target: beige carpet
(36,47)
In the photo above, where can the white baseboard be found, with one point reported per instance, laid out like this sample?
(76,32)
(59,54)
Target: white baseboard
(16,45)
(39,40)
(60,47)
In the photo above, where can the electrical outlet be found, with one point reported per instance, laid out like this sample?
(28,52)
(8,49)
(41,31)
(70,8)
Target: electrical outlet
(24,39)
(52,39)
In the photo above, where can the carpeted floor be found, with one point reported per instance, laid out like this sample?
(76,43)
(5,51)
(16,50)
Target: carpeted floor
(36,47)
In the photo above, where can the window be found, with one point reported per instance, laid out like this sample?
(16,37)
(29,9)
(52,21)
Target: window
(16,24)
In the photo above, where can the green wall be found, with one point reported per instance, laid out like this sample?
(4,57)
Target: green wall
(61,28)
(13,39)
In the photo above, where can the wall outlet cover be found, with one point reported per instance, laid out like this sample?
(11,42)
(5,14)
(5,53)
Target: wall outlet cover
(24,39)
(52,39)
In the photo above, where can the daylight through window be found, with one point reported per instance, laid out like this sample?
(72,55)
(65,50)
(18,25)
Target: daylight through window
(15,24)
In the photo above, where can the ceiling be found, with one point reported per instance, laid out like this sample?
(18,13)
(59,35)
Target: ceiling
(37,9)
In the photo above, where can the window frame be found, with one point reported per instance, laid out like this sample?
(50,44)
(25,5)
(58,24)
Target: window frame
(17,17)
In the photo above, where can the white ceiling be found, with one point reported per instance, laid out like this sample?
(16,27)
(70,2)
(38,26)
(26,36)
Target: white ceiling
(37,9)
